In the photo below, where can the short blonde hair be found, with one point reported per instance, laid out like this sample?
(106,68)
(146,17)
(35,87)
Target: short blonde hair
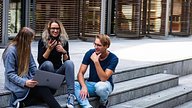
(104,39)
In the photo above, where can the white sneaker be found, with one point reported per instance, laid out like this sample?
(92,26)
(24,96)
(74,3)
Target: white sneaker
(18,105)
(70,101)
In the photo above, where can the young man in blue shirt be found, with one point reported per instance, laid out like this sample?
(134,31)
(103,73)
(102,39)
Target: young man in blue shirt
(102,65)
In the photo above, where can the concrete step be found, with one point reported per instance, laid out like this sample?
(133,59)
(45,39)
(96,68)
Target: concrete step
(121,76)
(139,87)
(137,73)
(62,101)
(185,80)
(164,99)
(132,89)
(185,105)
(179,67)
(5,96)
(125,75)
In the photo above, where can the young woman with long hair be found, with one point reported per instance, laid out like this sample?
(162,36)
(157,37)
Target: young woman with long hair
(20,68)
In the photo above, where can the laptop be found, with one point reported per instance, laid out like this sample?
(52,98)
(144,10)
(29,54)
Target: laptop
(49,79)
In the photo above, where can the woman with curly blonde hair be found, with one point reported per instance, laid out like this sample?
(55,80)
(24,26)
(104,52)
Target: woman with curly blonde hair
(53,55)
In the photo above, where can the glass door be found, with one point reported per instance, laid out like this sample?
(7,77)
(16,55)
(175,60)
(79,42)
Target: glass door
(153,17)
(127,18)
(180,17)
(14,22)
(90,18)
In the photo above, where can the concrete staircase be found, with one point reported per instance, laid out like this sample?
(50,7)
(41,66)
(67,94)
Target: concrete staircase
(160,85)
(164,99)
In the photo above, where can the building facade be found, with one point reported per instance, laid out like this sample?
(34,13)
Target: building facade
(85,18)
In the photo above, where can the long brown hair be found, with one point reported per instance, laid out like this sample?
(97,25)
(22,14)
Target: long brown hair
(22,41)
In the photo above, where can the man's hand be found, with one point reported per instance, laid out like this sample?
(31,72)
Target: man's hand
(84,93)
(95,57)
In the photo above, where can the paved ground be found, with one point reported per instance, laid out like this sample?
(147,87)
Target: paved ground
(131,52)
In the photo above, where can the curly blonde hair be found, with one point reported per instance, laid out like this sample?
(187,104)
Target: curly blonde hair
(46,32)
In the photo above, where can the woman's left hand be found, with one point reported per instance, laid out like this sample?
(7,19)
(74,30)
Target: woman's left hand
(60,48)
(31,83)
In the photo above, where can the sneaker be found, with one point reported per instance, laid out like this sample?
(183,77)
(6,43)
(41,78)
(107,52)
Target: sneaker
(70,101)
(19,105)
(104,105)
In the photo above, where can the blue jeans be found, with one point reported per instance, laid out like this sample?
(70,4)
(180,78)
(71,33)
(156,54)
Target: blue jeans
(101,89)
(67,69)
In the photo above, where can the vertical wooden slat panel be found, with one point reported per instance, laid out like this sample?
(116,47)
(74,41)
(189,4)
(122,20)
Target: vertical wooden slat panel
(64,10)
(157,17)
(128,18)
(176,17)
(190,21)
(181,17)
(153,17)
(163,17)
(1,19)
(185,17)
(69,16)
(90,17)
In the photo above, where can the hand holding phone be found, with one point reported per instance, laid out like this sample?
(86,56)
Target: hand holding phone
(52,44)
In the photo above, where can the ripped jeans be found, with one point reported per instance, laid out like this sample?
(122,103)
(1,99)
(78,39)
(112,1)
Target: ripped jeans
(101,89)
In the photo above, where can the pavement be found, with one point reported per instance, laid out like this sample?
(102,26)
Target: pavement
(132,53)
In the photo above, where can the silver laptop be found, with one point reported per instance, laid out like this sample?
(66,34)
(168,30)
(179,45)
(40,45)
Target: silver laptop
(49,79)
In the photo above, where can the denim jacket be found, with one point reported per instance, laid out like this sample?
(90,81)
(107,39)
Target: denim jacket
(13,82)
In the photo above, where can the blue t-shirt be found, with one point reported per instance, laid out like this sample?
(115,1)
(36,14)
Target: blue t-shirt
(109,63)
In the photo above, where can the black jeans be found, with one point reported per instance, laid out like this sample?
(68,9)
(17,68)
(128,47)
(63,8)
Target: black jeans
(40,94)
